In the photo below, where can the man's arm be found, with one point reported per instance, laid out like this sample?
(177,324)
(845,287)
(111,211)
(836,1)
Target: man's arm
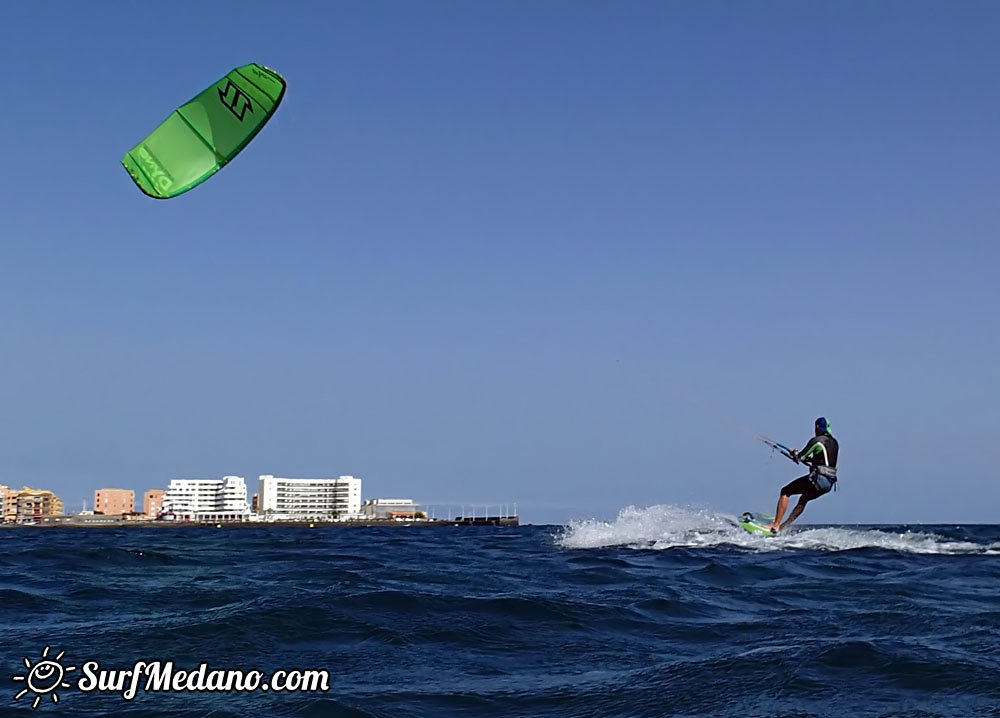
(811,449)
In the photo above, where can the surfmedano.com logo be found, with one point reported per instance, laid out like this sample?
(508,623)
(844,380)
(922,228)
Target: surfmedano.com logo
(46,677)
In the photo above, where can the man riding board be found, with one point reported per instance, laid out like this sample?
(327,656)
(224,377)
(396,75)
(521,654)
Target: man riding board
(821,456)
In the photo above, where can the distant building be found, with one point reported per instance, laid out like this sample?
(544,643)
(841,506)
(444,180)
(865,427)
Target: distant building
(152,502)
(255,503)
(390,509)
(28,505)
(222,499)
(114,502)
(9,508)
(282,499)
(84,519)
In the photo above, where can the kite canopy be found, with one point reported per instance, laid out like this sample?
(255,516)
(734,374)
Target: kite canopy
(200,137)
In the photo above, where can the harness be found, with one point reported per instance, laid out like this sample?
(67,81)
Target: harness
(827,472)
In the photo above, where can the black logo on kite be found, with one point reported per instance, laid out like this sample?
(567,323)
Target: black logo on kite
(235,100)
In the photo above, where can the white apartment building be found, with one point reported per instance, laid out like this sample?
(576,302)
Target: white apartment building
(282,499)
(222,499)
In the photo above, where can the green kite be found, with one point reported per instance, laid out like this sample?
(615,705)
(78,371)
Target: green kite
(201,136)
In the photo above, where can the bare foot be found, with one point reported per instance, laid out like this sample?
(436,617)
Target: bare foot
(773,528)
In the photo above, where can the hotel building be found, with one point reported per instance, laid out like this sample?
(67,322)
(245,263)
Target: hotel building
(282,499)
(207,500)
(114,502)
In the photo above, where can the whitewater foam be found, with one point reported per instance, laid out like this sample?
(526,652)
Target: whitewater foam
(664,526)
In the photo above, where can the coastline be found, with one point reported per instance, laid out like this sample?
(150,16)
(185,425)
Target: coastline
(360,523)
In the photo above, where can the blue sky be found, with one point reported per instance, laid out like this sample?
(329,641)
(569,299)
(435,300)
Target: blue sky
(507,251)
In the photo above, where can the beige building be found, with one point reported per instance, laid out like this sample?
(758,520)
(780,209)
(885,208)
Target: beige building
(29,505)
(114,501)
(152,503)
(4,493)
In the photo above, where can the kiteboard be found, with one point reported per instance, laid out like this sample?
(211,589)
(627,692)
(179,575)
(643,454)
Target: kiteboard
(755,523)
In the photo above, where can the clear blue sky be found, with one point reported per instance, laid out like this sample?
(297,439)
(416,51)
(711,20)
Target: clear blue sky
(493,251)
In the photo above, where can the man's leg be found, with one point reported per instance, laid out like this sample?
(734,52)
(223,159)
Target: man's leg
(801,485)
(779,511)
(797,511)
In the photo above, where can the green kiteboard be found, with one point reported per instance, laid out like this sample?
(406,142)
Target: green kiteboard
(755,523)
(200,137)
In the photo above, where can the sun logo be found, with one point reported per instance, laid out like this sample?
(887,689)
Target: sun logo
(44,677)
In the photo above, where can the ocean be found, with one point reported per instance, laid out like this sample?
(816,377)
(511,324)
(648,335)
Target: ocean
(664,611)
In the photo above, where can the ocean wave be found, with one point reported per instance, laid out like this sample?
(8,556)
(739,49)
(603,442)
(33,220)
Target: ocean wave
(665,527)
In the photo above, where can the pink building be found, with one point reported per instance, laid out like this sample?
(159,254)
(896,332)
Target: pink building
(114,501)
(152,502)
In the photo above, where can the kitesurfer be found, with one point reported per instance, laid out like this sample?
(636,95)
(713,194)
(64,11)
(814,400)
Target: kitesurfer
(821,456)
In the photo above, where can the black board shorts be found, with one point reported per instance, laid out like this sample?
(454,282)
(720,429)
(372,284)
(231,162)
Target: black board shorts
(805,486)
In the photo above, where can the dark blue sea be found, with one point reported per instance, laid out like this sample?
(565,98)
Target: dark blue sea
(662,612)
